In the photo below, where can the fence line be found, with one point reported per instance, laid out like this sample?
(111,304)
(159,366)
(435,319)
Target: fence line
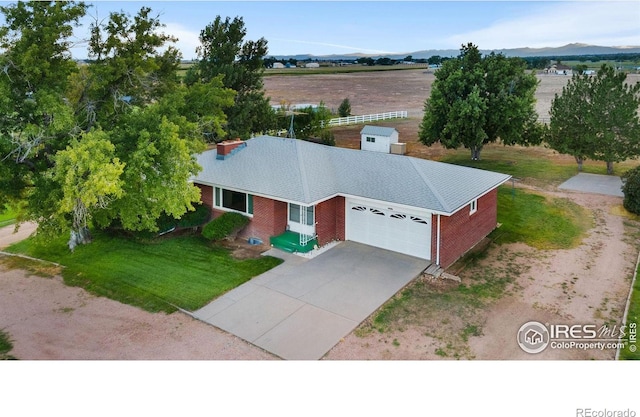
(342,121)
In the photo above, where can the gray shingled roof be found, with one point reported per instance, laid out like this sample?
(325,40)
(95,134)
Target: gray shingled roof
(305,172)
(377,130)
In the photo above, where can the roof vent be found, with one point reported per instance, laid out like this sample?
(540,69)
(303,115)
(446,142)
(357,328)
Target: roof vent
(229,147)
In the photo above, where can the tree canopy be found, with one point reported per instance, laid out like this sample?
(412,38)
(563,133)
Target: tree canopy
(596,117)
(225,53)
(477,100)
(111,142)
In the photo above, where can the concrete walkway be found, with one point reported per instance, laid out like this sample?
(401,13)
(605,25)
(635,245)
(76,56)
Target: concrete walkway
(303,307)
(8,235)
(595,184)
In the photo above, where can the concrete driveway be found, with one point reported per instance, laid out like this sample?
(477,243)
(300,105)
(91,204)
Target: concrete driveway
(595,184)
(303,307)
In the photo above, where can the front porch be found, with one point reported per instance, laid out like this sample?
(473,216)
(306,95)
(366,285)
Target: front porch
(289,241)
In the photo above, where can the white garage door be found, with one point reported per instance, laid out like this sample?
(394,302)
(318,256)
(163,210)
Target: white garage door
(389,229)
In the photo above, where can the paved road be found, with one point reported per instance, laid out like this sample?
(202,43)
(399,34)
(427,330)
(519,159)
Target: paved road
(303,307)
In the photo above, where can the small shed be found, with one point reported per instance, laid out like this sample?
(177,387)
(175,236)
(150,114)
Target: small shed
(378,138)
(312,65)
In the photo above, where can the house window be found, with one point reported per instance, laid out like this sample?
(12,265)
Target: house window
(234,200)
(370,139)
(296,213)
(473,207)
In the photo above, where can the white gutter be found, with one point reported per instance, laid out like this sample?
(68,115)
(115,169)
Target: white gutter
(438,243)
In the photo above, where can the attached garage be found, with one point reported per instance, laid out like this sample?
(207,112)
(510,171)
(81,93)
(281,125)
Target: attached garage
(388,228)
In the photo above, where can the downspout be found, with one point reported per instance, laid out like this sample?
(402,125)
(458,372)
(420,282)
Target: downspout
(438,243)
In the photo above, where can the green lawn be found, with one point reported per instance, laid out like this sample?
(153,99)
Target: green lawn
(7,217)
(539,221)
(538,164)
(632,317)
(186,271)
(5,346)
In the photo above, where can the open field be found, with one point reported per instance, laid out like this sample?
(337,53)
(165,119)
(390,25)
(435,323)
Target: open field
(378,92)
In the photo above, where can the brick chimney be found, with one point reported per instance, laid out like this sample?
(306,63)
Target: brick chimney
(225,149)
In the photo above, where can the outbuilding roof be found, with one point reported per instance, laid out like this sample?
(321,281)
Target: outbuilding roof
(307,173)
(377,130)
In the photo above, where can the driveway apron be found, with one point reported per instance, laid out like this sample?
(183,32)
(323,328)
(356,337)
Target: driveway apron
(595,184)
(303,307)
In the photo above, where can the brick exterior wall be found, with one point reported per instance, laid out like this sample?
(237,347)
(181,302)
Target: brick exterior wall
(330,220)
(206,195)
(460,232)
(269,219)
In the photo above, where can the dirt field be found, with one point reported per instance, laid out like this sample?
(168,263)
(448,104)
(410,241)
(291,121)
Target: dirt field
(48,320)
(379,92)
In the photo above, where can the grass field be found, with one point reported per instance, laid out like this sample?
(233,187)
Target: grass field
(7,217)
(633,320)
(185,271)
(540,222)
(5,346)
(533,163)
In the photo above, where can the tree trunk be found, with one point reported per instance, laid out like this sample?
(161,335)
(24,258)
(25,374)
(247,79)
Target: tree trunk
(80,234)
(579,160)
(609,168)
(475,153)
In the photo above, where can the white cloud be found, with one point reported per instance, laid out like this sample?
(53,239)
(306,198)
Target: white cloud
(330,45)
(188,40)
(601,23)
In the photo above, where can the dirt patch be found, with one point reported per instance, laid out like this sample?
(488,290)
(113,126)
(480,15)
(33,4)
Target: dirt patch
(46,319)
(585,285)
(241,249)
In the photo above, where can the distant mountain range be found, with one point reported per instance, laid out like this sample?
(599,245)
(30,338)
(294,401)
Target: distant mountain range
(567,50)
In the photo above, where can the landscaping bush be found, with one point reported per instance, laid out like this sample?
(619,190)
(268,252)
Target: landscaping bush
(631,190)
(228,224)
(195,218)
(327,138)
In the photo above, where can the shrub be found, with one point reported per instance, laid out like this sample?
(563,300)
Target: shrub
(631,190)
(345,108)
(228,224)
(195,218)
(327,138)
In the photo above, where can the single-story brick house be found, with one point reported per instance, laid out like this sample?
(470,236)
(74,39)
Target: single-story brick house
(319,194)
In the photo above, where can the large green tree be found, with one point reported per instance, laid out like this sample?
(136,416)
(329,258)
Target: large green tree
(477,100)
(596,117)
(111,142)
(36,120)
(89,175)
(133,64)
(225,52)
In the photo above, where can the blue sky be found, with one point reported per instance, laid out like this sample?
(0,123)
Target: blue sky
(385,27)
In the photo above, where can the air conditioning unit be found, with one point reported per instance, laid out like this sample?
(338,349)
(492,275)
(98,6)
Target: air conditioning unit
(398,148)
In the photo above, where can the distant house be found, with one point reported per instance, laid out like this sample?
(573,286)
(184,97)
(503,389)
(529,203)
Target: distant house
(278,65)
(312,65)
(318,194)
(378,138)
(559,69)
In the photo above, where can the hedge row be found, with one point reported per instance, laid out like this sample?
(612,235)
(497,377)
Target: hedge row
(225,225)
